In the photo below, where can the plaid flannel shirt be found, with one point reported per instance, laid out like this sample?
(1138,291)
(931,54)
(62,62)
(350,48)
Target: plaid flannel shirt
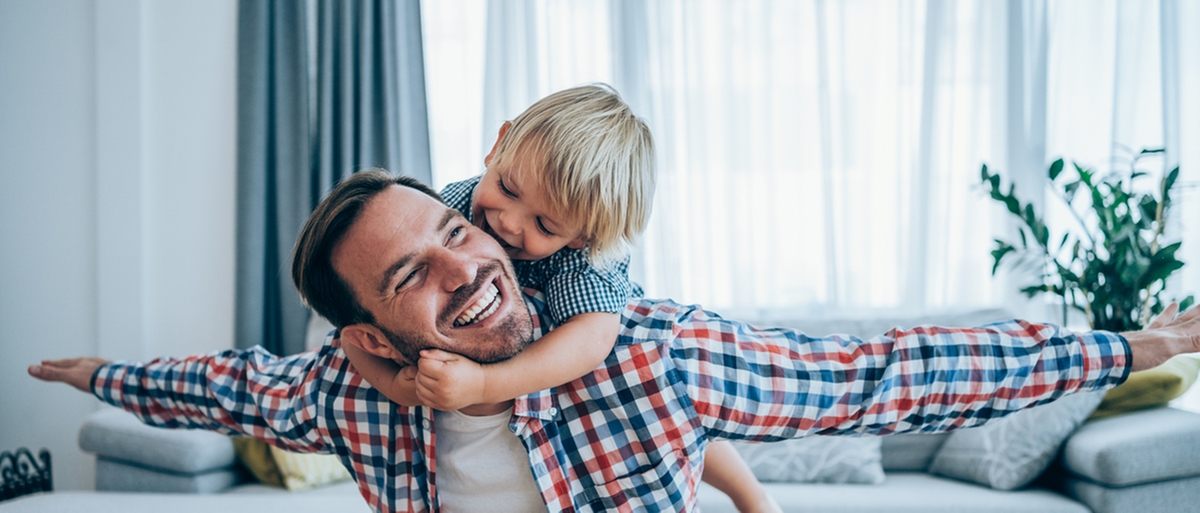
(572,284)
(630,436)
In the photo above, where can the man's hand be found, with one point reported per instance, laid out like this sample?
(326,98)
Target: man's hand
(447,381)
(1166,336)
(76,372)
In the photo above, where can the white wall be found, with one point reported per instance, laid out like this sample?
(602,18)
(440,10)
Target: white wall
(117,198)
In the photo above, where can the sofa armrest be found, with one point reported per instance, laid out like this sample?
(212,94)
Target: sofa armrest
(117,435)
(1139,447)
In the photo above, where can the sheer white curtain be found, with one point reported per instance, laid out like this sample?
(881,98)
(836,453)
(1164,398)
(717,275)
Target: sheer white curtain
(820,157)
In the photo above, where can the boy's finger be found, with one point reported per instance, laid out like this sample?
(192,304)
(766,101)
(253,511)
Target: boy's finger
(437,354)
(68,362)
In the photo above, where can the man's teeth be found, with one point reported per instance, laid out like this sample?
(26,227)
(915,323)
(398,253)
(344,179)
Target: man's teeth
(482,309)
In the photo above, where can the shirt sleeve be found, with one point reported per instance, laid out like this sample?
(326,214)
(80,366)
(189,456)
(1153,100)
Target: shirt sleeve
(250,392)
(772,384)
(574,286)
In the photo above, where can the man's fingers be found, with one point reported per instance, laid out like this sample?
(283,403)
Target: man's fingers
(1165,317)
(62,364)
(42,372)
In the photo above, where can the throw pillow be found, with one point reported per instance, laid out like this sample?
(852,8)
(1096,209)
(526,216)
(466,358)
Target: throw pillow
(1151,387)
(255,455)
(816,459)
(1011,452)
(292,470)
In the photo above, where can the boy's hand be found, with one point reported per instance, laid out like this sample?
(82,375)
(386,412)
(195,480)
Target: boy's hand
(447,381)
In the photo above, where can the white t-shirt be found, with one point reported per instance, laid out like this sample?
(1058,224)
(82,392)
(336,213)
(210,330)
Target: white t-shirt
(482,466)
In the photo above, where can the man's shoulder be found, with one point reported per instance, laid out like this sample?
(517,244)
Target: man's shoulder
(457,195)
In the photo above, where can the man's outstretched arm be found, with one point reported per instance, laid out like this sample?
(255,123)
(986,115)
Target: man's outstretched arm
(773,384)
(250,392)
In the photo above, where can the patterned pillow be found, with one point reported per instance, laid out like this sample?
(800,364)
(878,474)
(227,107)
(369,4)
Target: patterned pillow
(1011,452)
(816,459)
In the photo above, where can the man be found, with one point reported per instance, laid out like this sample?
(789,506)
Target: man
(393,268)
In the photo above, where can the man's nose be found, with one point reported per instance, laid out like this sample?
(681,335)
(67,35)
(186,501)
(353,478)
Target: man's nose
(456,268)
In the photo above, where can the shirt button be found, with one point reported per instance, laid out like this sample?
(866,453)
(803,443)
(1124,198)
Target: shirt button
(552,411)
(425,424)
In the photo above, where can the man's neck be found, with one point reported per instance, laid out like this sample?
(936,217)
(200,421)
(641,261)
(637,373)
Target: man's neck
(479,410)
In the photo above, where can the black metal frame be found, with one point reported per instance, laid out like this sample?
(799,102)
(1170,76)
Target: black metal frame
(20,473)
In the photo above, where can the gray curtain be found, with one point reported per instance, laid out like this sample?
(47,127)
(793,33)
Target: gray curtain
(325,88)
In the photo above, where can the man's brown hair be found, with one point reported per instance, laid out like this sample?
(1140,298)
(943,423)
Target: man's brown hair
(319,285)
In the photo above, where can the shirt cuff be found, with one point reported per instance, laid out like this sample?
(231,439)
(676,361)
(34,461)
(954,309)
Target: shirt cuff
(1108,360)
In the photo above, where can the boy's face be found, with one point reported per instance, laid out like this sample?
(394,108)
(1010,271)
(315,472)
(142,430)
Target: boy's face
(514,209)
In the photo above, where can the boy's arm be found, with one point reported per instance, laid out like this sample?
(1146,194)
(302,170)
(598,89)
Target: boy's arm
(725,470)
(449,382)
(393,381)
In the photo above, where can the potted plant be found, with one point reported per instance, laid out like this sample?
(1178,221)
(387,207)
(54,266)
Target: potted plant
(1115,267)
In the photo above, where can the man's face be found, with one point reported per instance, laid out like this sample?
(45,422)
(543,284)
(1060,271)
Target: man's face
(431,279)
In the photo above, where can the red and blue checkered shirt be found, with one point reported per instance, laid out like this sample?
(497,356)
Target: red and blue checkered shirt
(630,436)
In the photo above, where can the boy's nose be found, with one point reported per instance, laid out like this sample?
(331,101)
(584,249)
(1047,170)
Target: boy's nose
(509,224)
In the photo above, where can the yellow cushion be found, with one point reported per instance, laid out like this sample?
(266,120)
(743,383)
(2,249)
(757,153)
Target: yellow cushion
(1150,388)
(255,455)
(292,470)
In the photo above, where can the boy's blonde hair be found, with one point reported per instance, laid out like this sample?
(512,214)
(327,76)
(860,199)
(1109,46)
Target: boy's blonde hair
(599,171)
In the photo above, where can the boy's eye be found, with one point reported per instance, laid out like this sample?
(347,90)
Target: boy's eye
(504,189)
(455,232)
(543,228)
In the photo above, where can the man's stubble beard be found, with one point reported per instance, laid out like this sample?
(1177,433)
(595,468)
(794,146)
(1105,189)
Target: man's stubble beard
(514,332)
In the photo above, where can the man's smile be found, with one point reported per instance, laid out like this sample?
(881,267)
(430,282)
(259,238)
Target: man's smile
(481,309)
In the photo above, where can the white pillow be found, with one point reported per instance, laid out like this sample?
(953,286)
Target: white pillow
(815,459)
(1011,452)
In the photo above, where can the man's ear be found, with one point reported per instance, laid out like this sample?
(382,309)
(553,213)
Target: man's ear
(578,243)
(487,161)
(370,339)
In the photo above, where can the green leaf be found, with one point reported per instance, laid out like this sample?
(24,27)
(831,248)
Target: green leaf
(1055,169)
(1186,303)
(983,172)
(998,254)
(1069,190)
(1085,176)
(1013,205)
(1034,290)
(1152,150)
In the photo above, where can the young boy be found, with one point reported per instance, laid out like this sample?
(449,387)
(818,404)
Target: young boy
(567,189)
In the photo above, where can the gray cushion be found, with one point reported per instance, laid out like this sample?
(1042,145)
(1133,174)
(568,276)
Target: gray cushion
(1138,447)
(1011,452)
(911,451)
(816,459)
(119,435)
(902,492)
(116,476)
(1175,496)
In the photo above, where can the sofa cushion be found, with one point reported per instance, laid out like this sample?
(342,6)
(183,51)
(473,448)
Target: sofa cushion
(1011,452)
(117,476)
(1138,447)
(910,451)
(815,459)
(118,435)
(1173,496)
(901,492)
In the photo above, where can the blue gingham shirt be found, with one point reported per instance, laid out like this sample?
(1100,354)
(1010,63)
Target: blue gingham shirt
(573,285)
(631,435)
